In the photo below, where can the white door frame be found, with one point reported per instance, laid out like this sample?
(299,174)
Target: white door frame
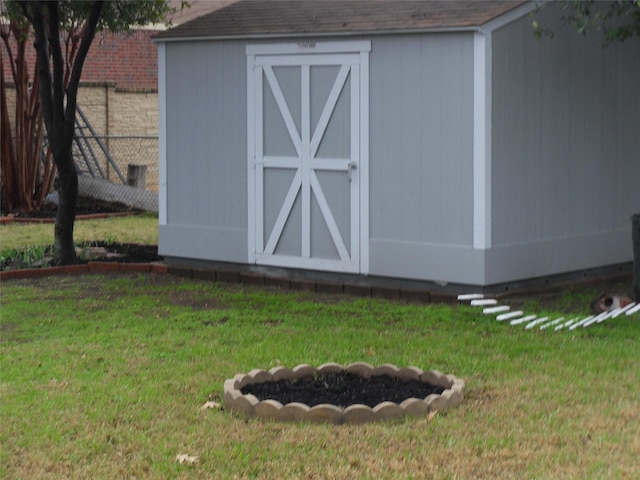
(354,58)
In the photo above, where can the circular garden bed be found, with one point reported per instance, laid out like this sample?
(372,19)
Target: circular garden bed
(333,393)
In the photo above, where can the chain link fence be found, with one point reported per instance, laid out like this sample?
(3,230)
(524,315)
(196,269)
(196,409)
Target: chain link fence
(120,171)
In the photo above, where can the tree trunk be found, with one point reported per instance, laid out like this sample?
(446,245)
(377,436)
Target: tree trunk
(64,247)
(7,150)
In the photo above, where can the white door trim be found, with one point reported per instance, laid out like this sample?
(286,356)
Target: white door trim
(354,59)
(363,46)
(162,134)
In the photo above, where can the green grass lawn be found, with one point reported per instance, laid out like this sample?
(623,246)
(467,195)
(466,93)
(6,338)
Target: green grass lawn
(28,243)
(104,377)
(128,229)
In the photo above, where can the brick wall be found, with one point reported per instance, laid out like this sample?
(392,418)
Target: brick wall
(113,111)
(128,60)
(116,113)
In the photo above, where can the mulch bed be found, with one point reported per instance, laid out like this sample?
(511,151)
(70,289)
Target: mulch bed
(341,389)
(107,252)
(128,252)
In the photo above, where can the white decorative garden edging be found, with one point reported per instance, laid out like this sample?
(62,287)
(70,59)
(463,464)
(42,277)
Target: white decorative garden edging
(518,317)
(249,404)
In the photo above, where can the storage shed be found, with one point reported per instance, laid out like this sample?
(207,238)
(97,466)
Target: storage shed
(434,141)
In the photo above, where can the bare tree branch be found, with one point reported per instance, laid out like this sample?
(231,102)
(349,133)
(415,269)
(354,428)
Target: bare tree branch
(72,88)
(42,62)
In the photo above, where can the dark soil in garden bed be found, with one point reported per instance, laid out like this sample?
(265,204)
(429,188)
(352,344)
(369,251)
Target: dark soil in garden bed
(341,389)
(126,252)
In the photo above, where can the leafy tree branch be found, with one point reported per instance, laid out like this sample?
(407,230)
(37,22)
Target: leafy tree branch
(615,20)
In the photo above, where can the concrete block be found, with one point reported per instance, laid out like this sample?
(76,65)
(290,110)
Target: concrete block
(386,369)
(204,274)
(135,267)
(387,411)
(230,276)
(294,412)
(357,290)
(415,295)
(453,398)
(435,377)
(303,285)
(415,406)
(450,379)
(325,413)
(251,278)
(159,267)
(303,371)
(229,398)
(268,409)
(329,287)
(329,368)
(74,269)
(360,368)
(178,271)
(409,373)
(389,293)
(280,282)
(103,267)
(358,414)
(436,402)
(259,376)
(229,385)
(442,297)
(280,372)
(458,384)
(245,404)
(7,275)
(241,380)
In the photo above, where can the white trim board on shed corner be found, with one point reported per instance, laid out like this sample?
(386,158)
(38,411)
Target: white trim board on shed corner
(162,134)
(482,124)
(482,140)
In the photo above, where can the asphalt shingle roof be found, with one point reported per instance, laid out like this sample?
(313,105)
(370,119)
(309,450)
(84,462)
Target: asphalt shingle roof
(283,17)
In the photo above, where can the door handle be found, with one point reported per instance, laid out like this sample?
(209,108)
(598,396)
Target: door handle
(351,166)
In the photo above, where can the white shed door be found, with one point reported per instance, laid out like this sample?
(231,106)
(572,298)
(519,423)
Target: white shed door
(306,157)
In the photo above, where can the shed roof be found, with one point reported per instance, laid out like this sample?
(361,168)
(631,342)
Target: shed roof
(286,17)
(193,9)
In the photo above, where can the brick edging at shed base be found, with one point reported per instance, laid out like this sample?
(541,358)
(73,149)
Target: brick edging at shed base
(322,282)
(89,267)
(379,287)
(308,281)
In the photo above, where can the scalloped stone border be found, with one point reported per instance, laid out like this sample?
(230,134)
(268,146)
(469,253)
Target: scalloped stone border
(249,405)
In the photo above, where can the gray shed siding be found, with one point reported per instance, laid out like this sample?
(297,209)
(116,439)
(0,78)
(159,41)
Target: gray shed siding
(420,161)
(566,152)
(421,157)
(206,127)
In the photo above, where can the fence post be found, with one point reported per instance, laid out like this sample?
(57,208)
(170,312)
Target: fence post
(136,175)
(635,235)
